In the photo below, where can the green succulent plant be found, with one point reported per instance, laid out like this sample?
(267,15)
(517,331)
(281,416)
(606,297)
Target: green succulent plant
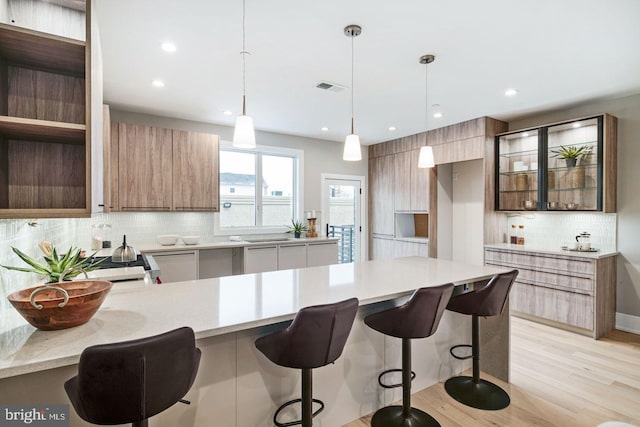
(55,265)
(571,151)
(297,227)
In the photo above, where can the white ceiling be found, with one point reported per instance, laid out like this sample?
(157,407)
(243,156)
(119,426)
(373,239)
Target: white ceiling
(555,52)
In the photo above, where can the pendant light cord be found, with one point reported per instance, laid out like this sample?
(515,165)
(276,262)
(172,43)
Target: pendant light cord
(243,53)
(352,67)
(426,98)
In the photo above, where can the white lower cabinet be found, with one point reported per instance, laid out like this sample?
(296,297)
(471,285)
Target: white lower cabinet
(387,247)
(292,256)
(176,266)
(215,263)
(258,259)
(325,253)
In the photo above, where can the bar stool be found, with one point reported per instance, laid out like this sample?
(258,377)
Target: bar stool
(417,318)
(315,338)
(486,301)
(131,381)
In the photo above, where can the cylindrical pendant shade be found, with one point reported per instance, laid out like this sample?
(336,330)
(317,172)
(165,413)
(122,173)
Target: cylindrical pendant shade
(426,158)
(352,152)
(244,136)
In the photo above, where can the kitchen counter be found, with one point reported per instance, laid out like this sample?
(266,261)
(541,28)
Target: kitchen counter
(558,251)
(156,247)
(236,385)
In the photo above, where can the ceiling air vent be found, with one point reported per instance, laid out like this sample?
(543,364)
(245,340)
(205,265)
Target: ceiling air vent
(333,87)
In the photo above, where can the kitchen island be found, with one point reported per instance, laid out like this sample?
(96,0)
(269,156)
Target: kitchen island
(237,386)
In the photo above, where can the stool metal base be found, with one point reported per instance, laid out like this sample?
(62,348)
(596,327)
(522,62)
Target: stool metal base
(392,416)
(480,394)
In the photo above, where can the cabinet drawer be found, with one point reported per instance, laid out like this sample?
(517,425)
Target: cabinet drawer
(565,307)
(541,262)
(563,281)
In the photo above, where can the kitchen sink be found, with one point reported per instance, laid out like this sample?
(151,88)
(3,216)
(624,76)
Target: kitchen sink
(267,239)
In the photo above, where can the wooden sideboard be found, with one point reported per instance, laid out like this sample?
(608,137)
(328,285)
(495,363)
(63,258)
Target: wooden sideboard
(573,291)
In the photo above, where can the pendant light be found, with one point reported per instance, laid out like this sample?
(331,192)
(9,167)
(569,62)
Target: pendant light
(352,151)
(425,160)
(244,136)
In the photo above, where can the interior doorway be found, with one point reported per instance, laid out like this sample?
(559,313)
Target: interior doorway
(343,213)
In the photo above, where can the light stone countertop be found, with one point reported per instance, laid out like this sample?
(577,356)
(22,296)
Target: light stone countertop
(223,305)
(225,244)
(577,254)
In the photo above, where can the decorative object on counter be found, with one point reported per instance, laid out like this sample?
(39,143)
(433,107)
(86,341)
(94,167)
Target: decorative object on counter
(571,206)
(167,239)
(530,205)
(584,241)
(521,234)
(425,158)
(312,228)
(244,135)
(552,206)
(570,153)
(191,240)
(55,265)
(62,305)
(352,150)
(513,238)
(522,182)
(297,227)
(100,236)
(124,253)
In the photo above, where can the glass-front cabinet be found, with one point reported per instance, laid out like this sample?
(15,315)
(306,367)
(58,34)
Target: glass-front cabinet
(566,166)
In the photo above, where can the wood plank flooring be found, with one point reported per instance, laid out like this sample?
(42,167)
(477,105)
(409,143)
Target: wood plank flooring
(558,378)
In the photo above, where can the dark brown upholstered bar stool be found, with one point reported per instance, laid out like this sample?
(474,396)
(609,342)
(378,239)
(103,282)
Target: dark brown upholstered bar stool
(315,338)
(131,381)
(486,301)
(417,318)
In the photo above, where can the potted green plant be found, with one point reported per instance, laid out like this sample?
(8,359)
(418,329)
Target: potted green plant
(55,265)
(571,153)
(297,227)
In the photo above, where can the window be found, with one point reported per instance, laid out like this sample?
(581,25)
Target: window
(258,188)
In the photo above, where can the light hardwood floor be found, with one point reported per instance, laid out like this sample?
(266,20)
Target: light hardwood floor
(558,378)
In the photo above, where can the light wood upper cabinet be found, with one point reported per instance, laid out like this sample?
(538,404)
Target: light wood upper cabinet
(144,167)
(420,183)
(195,171)
(402,181)
(156,169)
(381,197)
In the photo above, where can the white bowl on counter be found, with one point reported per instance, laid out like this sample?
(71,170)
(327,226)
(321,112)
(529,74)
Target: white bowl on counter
(191,240)
(168,239)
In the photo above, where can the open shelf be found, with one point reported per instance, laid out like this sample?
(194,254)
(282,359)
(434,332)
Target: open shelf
(40,50)
(520,153)
(42,130)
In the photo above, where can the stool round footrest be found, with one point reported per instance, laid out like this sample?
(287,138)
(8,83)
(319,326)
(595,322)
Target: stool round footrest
(296,422)
(393,416)
(460,346)
(388,371)
(480,395)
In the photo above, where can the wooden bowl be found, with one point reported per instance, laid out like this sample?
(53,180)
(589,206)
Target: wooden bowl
(84,299)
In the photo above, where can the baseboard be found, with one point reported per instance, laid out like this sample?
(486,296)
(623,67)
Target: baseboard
(628,323)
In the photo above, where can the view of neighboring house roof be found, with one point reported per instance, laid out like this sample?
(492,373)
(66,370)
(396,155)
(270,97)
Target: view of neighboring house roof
(228,178)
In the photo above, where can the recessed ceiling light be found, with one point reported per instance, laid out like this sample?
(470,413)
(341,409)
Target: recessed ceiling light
(525,134)
(392,128)
(168,47)
(227,112)
(324,129)
(437,115)
(510,92)
(158,83)
(576,125)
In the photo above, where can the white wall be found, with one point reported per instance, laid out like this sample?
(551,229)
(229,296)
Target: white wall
(627,110)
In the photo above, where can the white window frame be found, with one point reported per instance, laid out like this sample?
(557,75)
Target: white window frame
(298,186)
